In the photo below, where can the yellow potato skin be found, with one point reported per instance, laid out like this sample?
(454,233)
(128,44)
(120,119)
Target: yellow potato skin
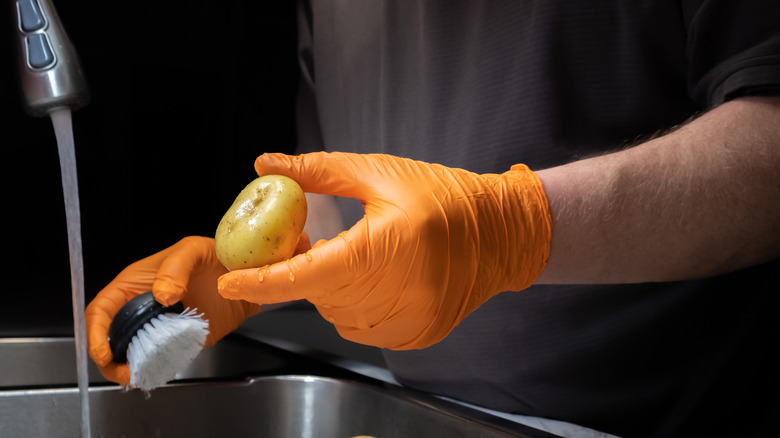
(263,224)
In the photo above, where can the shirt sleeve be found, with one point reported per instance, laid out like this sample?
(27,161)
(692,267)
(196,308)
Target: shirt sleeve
(309,132)
(733,49)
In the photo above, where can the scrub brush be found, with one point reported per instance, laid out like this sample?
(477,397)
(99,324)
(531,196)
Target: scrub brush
(156,342)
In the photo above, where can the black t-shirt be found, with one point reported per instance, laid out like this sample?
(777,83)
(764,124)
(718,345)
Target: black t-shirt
(483,85)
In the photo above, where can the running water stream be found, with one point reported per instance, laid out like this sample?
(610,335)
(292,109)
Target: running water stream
(63,129)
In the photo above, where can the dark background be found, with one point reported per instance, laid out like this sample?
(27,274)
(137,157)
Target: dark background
(185,95)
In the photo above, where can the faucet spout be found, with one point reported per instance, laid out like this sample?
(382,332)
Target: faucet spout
(50,72)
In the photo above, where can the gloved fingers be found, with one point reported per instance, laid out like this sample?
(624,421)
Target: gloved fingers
(101,310)
(317,273)
(117,373)
(186,257)
(304,244)
(223,315)
(335,173)
(98,318)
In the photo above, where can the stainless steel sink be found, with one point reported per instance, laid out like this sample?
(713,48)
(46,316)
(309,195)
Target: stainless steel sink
(235,389)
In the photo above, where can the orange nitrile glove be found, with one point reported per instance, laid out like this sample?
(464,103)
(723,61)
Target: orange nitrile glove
(434,244)
(186,272)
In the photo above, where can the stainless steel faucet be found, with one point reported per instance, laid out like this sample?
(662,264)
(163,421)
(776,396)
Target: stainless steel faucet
(50,72)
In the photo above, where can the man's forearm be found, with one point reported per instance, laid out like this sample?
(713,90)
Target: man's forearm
(699,201)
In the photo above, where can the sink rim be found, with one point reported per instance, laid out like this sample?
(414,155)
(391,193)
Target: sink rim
(323,375)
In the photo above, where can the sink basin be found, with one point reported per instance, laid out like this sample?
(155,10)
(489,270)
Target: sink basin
(235,389)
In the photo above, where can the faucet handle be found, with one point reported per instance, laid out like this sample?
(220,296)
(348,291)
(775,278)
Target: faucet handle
(50,73)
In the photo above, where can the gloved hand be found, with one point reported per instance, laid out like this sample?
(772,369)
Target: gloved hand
(186,272)
(434,244)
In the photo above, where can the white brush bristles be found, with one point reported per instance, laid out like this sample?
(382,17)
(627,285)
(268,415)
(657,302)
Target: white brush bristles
(164,347)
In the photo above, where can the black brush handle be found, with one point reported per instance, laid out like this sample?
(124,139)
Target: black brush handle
(131,318)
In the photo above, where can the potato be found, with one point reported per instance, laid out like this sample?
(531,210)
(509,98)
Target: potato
(263,224)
